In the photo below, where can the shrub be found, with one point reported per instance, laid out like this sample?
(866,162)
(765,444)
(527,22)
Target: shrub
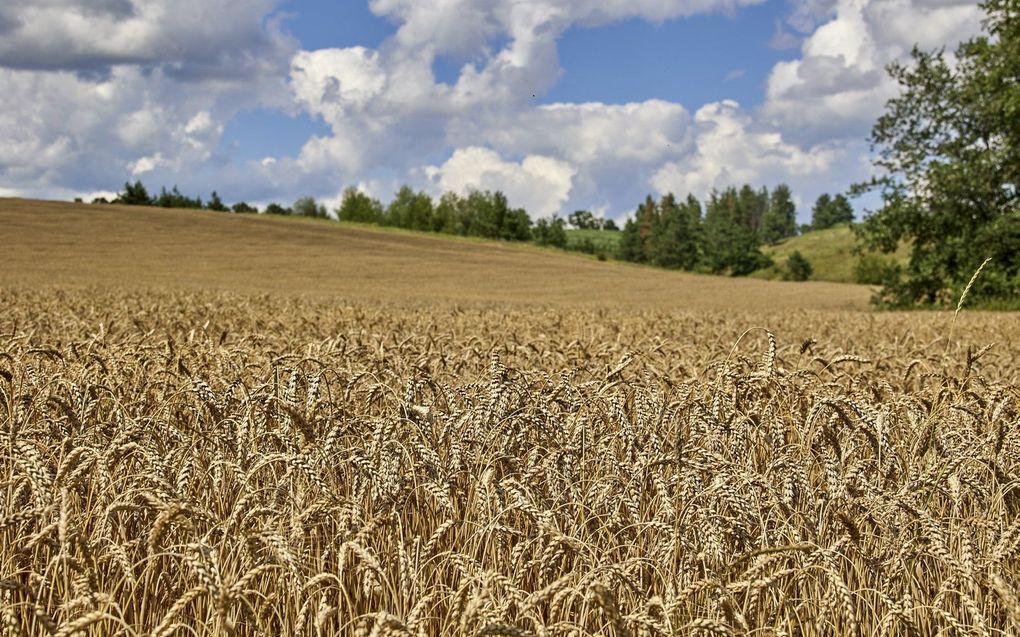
(797,267)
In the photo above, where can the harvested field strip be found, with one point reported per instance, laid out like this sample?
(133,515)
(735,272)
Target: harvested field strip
(138,248)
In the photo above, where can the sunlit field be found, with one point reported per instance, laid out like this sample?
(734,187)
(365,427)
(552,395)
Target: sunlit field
(327,431)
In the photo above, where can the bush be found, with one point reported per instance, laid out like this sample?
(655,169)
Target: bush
(243,208)
(797,268)
(551,232)
(308,207)
(276,209)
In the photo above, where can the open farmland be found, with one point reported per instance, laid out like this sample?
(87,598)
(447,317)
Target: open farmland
(215,425)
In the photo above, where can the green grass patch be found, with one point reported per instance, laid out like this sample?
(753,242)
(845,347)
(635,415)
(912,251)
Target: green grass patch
(831,253)
(594,241)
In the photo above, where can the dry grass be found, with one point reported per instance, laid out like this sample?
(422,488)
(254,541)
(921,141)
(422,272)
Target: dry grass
(182,461)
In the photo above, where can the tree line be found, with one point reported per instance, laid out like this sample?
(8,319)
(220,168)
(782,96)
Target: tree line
(668,233)
(486,214)
(725,235)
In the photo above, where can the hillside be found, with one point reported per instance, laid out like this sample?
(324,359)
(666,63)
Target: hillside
(830,252)
(136,248)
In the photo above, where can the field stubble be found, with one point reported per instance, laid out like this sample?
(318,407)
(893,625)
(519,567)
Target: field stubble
(204,464)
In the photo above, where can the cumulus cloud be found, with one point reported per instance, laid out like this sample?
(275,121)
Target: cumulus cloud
(96,91)
(540,184)
(838,86)
(728,151)
(145,88)
(188,37)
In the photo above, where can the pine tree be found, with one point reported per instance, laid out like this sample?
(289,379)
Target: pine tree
(780,220)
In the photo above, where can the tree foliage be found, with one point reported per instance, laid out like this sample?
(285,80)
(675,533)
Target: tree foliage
(276,209)
(216,204)
(732,223)
(831,211)
(410,209)
(174,199)
(780,220)
(584,220)
(550,232)
(949,149)
(798,268)
(675,234)
(134,195)
(358,206)
(308,207)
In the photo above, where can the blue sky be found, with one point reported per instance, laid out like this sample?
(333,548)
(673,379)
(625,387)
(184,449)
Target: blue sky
(562,104)
(631,60)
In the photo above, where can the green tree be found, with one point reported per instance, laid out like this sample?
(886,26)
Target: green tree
(730,241)
(798,268)
(610,225)
(276,209)
(636,242)
(216,204)
(751,208)
(780,219)
(831,211)
(446,215)
(357,206)
(242,207)
(630,247)
(550,232)
(584,220)
(410,210)
(949,149)
(308,207)
(676,235)
(134,195)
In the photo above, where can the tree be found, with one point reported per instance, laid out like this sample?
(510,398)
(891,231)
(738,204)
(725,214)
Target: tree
(134,195)
(949,149)
(584,220)
(357,206)
(174,199)
(730,240)
(677,233)
(635,244)
(243,208)
(831,211)
(797,267)
(550,232)
(780,219)
(446,214)
(307,207)
(610,225)
(276,209)
(751,208)
(216,204)
(630,247)
(410,210)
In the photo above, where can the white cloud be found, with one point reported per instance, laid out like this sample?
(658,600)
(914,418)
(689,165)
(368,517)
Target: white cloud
(838,87)
(539,184)
(97,90)
(189,37)
(145,164)
(728,151)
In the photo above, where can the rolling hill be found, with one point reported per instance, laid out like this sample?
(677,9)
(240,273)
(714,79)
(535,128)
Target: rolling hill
(830,252)
(136,248)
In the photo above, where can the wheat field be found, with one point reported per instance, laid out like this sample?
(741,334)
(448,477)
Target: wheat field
(183,463)
(212,425)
